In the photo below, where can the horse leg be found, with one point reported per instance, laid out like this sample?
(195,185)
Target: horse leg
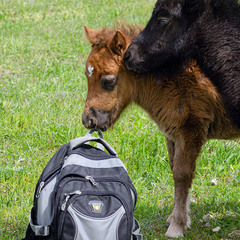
(186,149)
(171,153)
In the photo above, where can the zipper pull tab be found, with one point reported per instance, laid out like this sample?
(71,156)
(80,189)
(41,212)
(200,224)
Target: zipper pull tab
(63,207)
(67,197)
(40,189)
(92,180)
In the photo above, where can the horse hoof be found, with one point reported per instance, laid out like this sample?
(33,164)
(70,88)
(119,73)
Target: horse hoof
(174,231)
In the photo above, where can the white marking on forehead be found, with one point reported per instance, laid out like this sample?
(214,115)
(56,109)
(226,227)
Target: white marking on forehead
(90,70)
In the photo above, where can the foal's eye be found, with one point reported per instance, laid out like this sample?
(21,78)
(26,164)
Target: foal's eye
(163,21)
(109,82)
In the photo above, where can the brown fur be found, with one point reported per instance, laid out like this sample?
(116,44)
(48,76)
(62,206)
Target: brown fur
(187,109)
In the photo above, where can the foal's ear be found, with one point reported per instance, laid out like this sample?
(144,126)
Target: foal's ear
(118,44)
(92,35)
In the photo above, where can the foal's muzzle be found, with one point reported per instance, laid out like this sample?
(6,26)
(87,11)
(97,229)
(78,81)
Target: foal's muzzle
(133,60)
(96,119)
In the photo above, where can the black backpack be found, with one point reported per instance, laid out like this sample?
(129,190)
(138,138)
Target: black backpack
(84,193)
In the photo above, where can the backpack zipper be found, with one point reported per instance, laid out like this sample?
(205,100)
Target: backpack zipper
(41,185)
(68,196)
(92,180)
(47,180)
(94,183)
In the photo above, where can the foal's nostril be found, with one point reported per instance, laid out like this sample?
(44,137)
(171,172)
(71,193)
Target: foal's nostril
(87,122)
(96,119)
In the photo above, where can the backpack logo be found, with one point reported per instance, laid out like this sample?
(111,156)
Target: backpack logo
(96,206)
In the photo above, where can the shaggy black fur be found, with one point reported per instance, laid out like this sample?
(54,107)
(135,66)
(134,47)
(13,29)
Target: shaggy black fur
(205,30)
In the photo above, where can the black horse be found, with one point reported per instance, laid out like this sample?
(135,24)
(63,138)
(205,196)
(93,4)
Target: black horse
(205,30)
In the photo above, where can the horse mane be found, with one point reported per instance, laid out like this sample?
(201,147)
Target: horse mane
(105,35)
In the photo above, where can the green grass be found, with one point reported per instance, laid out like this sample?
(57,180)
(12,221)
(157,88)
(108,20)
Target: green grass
(42,91)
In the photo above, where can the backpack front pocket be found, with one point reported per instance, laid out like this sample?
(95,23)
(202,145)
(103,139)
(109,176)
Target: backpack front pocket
(93,217)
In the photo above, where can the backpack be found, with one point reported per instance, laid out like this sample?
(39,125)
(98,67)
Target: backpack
(84,193)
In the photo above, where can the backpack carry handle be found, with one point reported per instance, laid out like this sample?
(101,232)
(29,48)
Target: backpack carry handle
(74,143)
